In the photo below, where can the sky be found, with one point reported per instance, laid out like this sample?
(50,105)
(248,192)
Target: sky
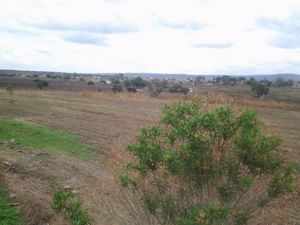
(234,37)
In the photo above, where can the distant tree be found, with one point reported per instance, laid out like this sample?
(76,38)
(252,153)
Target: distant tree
(266,82)
(157,86)
(120,76)
(241,79)
(226,80)
(251,81)
(127,83)
(177,88)
(10,89)
(117,88)
(36,81)
(279,82)
(136,83)
(90,83)
(115,80)
(290,82)
(260,89)
(233,80)
(42,84)
(217,80)
(139,82)
(200,79)
(131,89)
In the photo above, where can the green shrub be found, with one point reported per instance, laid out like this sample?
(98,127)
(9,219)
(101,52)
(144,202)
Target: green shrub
(66,202)
(126,180)
(10,89)
(40,84)
(242,218)
(151,202)
(177,88)
(199,165)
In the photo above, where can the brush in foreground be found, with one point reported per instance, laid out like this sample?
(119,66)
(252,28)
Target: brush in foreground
(69,204)
(206,168)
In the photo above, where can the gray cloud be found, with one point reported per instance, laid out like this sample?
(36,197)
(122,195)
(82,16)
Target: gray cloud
(84,38)
(16,30)
(286,41)
(272,24)
(213,45)
(91,27)
(288,30)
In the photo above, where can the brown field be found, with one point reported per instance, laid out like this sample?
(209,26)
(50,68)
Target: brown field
(108,123)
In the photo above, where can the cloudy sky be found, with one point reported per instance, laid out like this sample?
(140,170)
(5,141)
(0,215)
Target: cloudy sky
(162,36)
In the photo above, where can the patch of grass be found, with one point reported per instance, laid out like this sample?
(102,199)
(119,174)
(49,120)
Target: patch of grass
(42,138)
(67,203)
(8,214)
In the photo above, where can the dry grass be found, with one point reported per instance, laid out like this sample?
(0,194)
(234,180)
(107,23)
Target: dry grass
(169,98)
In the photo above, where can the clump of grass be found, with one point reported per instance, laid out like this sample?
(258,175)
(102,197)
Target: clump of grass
(42,138)
(8,214)
(69,204)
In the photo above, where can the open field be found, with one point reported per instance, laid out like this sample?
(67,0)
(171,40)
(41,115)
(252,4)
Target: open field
(106,123)
(277,94)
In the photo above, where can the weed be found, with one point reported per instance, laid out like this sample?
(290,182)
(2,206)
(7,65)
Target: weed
(126,180)
(242,218)
(67,203)
(151,202)
(262,201)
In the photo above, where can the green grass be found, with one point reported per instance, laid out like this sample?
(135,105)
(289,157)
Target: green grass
(8,214)
(42,138)
(69,204)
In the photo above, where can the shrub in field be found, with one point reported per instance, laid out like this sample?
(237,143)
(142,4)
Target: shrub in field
(177,88)
(117,88)
(41,84)
(199,167)
(10,89)
(260,89)
(66,202)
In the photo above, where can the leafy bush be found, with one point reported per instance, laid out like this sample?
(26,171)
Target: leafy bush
(117,88)
(195,167)
(137,82)
(41,84)
(10,89)
(260,89)
(90,83)
(66,202)
(177,88)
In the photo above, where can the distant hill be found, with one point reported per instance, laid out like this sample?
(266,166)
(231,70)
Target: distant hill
(270,77)
(273,77)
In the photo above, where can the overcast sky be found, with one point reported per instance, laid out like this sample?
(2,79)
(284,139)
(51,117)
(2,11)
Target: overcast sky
(160,36)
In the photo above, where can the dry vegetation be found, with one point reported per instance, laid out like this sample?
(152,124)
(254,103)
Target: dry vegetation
(107,123)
